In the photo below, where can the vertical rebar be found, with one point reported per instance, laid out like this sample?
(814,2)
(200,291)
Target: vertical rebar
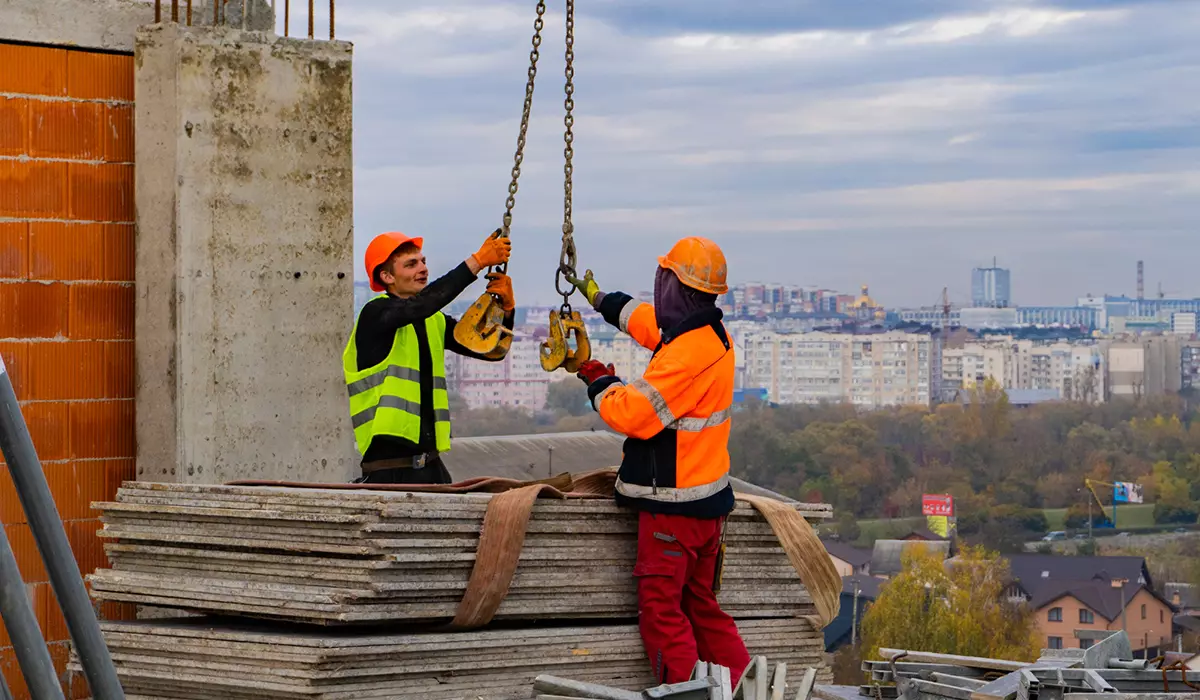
(216,12)
(287,16)
(331,4)
(51,538)
(189,13)
(157,11)
(175,11)
(243,15)
(311,12)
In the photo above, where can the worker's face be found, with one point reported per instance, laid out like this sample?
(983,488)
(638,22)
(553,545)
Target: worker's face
(407,274)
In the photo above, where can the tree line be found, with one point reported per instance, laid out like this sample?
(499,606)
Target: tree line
(1002,464)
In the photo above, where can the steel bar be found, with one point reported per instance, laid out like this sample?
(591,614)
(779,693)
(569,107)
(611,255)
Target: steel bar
(311,13)
(331,4)
(244,10)
(175,11)
(42,514)
(954,659)
(189,13)
(21,623)
(157,11)
(287,16)
(216,12)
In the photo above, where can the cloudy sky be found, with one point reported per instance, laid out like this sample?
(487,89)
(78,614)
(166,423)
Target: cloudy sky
(821,142)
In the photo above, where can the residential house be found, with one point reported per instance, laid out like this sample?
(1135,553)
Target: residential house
(848,560)
(1080,600)
(858,592)
(1183,596)
(887,557)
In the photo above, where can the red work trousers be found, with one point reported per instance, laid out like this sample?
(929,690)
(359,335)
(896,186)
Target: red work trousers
(678,614)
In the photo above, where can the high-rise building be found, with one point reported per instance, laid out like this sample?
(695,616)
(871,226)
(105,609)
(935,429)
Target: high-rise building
(869,370)
(991,287)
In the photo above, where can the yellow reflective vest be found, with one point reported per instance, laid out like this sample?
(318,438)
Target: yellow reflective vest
(386,399)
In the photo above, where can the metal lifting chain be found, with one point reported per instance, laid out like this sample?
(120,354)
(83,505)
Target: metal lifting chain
(519,157)
(566,260)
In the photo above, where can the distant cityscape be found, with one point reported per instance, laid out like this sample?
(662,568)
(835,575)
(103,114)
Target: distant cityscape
(797,344)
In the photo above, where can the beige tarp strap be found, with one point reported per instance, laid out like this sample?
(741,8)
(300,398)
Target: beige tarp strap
(501,539)
(807,554)
(503,535)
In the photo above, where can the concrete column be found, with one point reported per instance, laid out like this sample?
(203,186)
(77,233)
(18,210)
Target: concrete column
(244,255)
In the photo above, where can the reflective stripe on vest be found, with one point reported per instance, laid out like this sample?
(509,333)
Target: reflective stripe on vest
(386,399)
(672,495)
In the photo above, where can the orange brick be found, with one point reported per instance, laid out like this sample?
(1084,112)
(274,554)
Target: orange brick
(56,625)
(102,429)
(66,252)
(101,192)
(66,130)
(116,472)
(112,610)
(99,76)
(119,370)
(65,371)
(14,250)
(14,126)
(88,548)
(33,310)
(49,426)
(29,560)
(40,598)
(75,486)
(119,252)
(118,134)
(11,512)
(33,70)
(33,189)
(12,670)
(60,654)
(15,354)
(101,311)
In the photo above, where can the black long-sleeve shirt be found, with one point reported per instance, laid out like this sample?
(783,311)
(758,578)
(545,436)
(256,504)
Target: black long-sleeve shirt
(377,325)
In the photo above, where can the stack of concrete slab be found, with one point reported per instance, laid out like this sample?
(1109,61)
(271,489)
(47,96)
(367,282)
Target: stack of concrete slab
(203,659)
(333,594)
(335,556)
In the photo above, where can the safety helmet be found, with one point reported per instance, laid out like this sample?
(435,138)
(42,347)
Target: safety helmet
(381,249)
(698,263)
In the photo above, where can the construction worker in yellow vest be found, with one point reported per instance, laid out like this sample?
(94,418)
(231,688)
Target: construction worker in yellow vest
(394,362)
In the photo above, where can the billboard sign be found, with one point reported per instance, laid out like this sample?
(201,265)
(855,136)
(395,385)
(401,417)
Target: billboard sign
(1127,492)
(937,504)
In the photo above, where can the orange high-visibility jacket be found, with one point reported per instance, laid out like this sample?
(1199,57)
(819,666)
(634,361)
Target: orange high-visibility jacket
(676,416)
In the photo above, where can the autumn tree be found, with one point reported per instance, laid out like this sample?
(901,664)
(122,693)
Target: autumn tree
(569,396)
(953,607)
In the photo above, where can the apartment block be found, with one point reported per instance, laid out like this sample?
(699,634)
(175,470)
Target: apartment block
(871,371)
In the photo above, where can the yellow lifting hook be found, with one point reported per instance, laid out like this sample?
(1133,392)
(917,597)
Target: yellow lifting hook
(482,330)
(555,351)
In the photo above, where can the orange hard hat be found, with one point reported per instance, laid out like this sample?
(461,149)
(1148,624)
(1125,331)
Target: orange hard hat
(698,263)
(381,248)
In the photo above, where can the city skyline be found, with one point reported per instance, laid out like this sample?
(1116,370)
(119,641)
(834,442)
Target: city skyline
(814,142)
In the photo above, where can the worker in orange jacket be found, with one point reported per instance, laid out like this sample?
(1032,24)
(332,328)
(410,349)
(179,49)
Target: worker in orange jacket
(675,467)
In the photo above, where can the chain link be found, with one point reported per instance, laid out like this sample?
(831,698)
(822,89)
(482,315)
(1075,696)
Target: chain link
(566,260)
(519,157)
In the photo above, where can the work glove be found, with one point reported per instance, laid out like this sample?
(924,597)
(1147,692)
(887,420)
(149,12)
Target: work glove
(494,251)
(500,284)
(587,286)
(592,370)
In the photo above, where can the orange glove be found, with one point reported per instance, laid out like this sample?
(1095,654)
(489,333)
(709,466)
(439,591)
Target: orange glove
(494,251)
(501,286)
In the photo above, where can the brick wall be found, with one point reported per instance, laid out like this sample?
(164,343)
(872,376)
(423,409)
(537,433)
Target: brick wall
(66,297)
